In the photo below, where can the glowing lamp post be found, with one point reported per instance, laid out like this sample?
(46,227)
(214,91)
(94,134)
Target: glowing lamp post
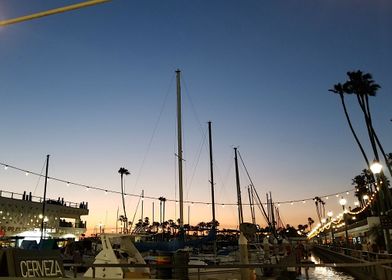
(376,167)
(323,221)
(343,202)
(330,214)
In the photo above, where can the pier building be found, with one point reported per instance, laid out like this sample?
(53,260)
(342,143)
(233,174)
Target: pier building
(21,216)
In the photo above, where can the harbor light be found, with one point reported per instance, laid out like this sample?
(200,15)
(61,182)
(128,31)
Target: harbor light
(342,202)
(376,167)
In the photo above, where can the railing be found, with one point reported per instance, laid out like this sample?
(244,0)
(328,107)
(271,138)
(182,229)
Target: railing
(358,254)
(381,267)
(228,268)
(39,199)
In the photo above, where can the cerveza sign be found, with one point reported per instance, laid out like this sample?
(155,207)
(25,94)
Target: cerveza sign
(40,268)
(34,263)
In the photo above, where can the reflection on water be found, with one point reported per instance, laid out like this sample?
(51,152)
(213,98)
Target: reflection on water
(325,273)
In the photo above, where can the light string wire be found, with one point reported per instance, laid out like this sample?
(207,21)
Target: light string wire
(108,190)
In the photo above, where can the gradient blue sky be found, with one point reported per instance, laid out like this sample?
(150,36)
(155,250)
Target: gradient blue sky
(89,86)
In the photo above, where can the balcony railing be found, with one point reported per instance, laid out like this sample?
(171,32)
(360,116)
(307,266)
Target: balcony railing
(30,197)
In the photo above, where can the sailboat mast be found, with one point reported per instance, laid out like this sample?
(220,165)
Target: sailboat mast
(272,214)
(212,185)
(44,200)
(212,175)
(179,151)
(237,176)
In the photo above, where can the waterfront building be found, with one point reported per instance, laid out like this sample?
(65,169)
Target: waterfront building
(21,217)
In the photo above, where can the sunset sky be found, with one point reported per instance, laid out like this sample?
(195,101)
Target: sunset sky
(95,89)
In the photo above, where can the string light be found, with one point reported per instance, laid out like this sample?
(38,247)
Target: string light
(338,224)
(88,187)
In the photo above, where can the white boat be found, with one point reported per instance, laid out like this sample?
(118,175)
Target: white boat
(118,249)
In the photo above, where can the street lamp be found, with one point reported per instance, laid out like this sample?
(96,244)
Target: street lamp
(343,202)
(323,221)
(44,221)
(376,167)
(330,214)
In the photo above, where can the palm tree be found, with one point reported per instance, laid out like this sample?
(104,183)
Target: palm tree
(339,89)
(320,208)
(363,85)
(123,172)
(310,222)
(363,184)
(161,198)
(122,220)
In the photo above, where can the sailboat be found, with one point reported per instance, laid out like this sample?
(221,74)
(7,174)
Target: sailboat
(180,242)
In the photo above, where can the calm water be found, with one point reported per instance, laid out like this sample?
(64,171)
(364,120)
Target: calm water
(324,273)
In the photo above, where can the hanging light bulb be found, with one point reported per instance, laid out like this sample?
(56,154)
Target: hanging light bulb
(27,173)
(5,167)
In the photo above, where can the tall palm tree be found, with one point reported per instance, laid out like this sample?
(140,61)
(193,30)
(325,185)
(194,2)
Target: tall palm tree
(123,171)
(160,209)
(363,86)
(339,89)
(310,222)
(163,207)
(122,219)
